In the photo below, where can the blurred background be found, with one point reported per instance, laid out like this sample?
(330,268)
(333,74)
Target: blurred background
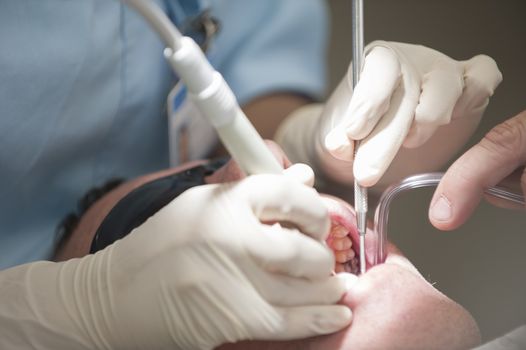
(482,265)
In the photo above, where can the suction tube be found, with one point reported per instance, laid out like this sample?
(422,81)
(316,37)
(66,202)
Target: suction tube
(381,216)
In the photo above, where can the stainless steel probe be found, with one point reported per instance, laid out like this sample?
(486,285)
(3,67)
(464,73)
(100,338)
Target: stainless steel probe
(360,192)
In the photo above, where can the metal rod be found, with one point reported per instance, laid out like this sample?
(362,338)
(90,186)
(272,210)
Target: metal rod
(360,192)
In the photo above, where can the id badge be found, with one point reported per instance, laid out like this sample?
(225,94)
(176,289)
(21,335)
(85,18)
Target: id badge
(190,135)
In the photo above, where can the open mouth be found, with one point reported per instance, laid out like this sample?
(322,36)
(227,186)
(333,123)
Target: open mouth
(343,238)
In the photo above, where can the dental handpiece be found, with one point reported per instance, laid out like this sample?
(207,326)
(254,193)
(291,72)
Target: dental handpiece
(381,216)
(360,192)
(211,94)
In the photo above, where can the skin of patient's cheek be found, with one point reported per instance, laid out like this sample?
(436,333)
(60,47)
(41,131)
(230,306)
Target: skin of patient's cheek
(395,309)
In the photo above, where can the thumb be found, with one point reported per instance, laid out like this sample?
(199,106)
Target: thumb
(301,173)
(499,153)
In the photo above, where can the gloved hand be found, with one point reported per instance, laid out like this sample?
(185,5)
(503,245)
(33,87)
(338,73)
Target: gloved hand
(202,271)
(406,94)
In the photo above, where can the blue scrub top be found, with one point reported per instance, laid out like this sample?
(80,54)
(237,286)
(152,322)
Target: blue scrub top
(83,86)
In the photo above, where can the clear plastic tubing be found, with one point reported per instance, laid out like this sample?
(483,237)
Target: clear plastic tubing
(381,215)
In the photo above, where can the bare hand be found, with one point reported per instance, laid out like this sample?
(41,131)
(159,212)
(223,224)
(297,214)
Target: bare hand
(486,164)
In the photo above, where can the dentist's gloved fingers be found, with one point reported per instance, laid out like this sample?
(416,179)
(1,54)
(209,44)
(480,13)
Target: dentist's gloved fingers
(306,321)
(370,99)
(282,290)
(441,89)
(301,173)
(377,150)
(275,198)
(481,78)
(496,156)
(291,253)
(369,102)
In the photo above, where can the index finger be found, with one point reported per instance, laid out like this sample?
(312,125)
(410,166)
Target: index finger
(380,76)
(278,198)
(377,151)
(499,153)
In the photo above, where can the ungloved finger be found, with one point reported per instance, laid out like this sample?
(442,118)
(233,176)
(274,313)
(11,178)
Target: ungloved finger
(289,252)
(308,321)
(376,151)
(281,290)
(441,89)
(378,80)
(275,198)
(496,156)
(481,78)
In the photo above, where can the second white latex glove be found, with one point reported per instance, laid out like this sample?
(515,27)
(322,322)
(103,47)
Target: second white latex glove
(204,270)
(409,98)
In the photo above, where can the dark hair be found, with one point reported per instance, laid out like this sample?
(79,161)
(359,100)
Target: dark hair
(68,224)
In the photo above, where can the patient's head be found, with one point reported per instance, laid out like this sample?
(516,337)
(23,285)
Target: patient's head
(78,229)
(393,306)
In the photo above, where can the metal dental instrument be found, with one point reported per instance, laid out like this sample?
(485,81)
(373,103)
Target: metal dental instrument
(360,192)
(210,93)
(418,181)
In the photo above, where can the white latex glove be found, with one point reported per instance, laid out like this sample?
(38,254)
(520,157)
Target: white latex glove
(202,271)
(405,93)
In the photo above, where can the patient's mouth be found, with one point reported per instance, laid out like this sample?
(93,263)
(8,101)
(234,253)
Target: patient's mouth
(341,244)
(343,237)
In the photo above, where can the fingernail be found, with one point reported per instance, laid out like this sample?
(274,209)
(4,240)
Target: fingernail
(441,210)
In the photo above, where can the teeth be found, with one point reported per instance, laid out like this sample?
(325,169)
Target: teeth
(340,257)
(340,268)
(339,231)
(341,243)
(344,256)
(354,265)
(348,268)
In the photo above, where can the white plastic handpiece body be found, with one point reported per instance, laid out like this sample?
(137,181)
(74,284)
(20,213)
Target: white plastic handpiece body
(213,96)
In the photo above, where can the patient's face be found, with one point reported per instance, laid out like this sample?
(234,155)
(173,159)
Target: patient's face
(393,306)
(396,308)
(343,237)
